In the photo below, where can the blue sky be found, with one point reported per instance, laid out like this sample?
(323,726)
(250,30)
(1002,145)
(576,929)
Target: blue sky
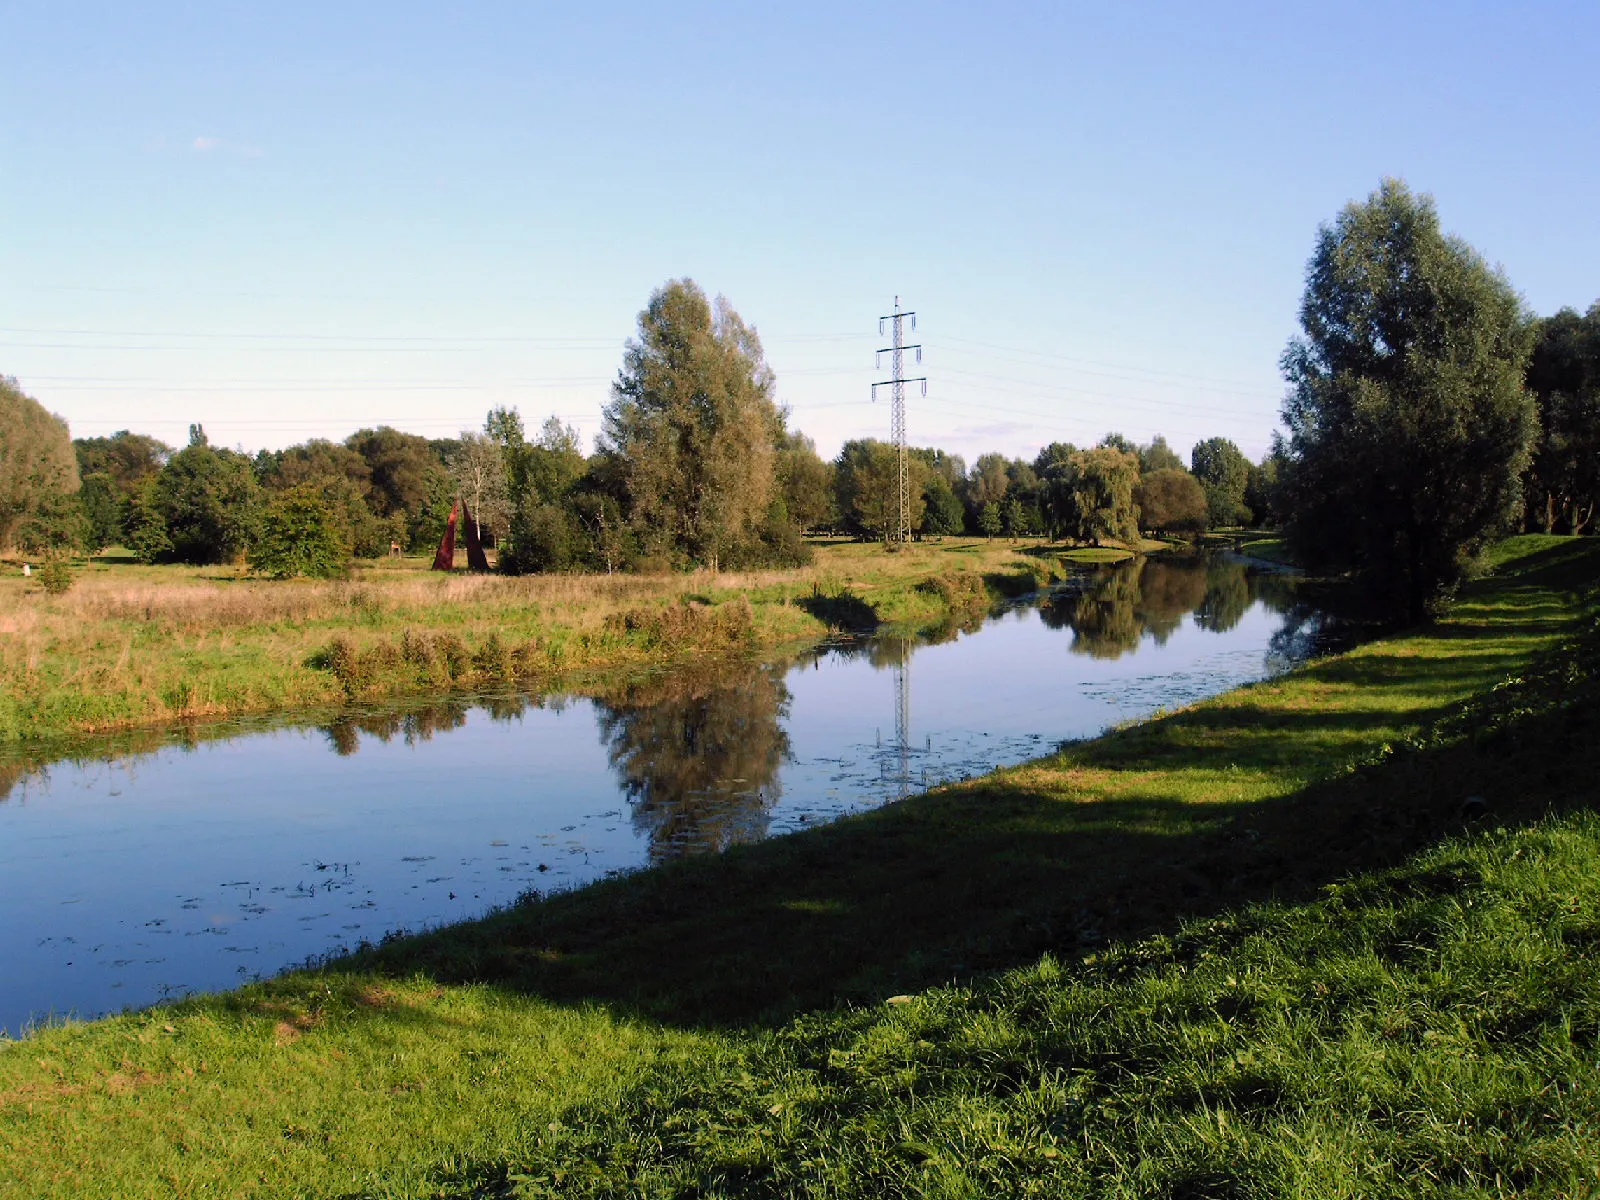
(291,220)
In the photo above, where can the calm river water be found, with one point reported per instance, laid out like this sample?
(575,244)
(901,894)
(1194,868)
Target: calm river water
(201,864)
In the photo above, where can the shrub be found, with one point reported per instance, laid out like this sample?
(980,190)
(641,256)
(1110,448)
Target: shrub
(55,577)
(299,536)
(492,661)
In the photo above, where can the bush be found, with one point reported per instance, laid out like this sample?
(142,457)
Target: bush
(542,539)
(55,577)
(299,536)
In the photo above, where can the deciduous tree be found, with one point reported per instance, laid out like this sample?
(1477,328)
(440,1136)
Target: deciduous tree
(805,481)
(867,476)
(1171,500)
(1098,489)
(1224,472)
(300,536)
(1409,425)
(693,422)
(1564,376)
(37,463)
(209,502)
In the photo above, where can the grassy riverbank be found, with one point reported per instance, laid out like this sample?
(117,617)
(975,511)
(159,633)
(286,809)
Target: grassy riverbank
(1335,934)
(132,645)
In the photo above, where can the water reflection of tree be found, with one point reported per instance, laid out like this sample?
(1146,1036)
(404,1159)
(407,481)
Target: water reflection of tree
(1227,597)
(414,725)
(698,756)
(1103,618)
(14,770)
(1117,605)
(1169,589)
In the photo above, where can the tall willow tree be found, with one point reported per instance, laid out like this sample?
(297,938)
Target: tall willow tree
(1409,426)
(694,427)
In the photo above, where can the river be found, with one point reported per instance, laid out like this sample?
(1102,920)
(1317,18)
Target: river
(230,853)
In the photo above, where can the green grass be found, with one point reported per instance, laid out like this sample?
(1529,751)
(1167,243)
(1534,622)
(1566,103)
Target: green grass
(1269,547)
(1336,934)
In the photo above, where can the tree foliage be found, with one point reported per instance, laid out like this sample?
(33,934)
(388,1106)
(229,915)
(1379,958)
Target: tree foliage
(1093,496)
(990,521)
(37,463)
(208,502)
(1564,377)
(1224,473)
(300,536)
(805,482)
(1158,456)
(113,469)
(694,426)
(867,478)
(478,470)
(1171,500)
(1409,426)
(402,470)
(942,511)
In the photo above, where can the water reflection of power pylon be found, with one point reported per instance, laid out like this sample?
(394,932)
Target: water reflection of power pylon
(902,721)
(896,759)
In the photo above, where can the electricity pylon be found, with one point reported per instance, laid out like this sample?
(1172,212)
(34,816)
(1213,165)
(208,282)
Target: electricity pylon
(897,419)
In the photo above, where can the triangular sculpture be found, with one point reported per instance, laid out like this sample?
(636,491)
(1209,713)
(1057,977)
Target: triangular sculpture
(477,560)
(445,558)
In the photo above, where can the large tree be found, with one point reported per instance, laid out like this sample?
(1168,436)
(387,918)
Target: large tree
(1409,426)
(1224,472)
(343,480)
(806,482)
(1093,495)
(1564,376)
(867,482)
(209,502)
(37,464)
(1171,500)
(1158,456)
(478,469)
(694,426)
(403,467)
(129,459)
(113,470)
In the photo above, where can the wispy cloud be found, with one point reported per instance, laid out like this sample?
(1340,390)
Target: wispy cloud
(205,145)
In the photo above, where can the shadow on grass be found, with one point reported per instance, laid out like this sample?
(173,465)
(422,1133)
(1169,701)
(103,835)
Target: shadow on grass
(1012,585)
(845,612)
(1178,818)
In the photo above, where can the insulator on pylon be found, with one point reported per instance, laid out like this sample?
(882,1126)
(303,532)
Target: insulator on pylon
(919,353)
(924,387)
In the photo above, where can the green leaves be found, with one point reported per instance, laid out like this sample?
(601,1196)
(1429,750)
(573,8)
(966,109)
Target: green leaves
(1409,427)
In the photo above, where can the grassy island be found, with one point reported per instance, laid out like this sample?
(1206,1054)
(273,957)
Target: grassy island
(1333,934)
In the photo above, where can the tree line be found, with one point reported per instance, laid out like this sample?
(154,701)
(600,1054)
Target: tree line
(1428,412)
(695,466)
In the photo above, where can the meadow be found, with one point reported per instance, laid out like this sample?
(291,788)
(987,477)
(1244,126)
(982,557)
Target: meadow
(1333,934)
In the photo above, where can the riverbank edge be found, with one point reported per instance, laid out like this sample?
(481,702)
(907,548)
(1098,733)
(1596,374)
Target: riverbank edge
(1506,623)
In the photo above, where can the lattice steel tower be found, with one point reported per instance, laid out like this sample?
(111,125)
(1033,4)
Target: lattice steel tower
(897,418)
